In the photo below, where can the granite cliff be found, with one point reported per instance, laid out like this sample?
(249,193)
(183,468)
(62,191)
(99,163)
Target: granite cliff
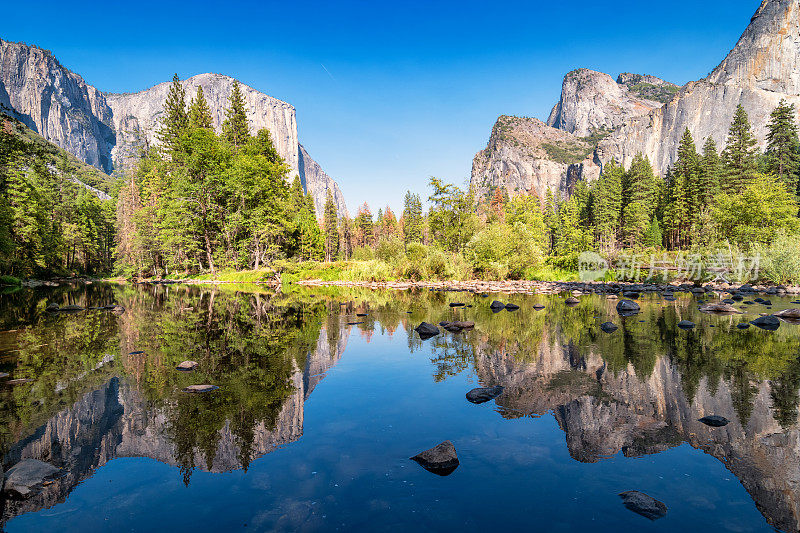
(642,113)
(107,131)
(762,69)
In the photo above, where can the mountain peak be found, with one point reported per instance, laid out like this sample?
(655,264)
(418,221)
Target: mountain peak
(767,55)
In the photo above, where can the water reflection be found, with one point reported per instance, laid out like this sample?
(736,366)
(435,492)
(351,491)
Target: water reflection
(105,386)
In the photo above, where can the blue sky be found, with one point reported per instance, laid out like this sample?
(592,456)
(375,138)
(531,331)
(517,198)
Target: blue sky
(387,94)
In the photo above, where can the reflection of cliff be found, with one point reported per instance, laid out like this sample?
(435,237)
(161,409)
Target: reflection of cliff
(115,421)
(604,413)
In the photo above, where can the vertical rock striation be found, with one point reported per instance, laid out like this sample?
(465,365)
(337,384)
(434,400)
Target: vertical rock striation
(108,131)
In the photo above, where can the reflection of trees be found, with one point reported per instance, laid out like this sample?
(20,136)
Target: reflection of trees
(65,355)
(247,344)
(784,393)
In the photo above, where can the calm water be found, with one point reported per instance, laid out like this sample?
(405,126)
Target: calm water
(315,419)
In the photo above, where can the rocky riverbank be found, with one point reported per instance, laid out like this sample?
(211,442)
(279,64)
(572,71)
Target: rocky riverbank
(555,287)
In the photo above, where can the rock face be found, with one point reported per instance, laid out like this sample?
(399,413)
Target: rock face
(525,156)
(762,68)
(56,103)
(317,183)
(641,113)
(109,130)
(592,101)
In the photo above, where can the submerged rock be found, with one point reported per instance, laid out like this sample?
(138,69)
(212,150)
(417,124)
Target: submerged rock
(497,305)
(642,504)
(609,327)
(511,307)
(768,322)
(26,476)
(426,331)
(484,394)
(686,324)
(187,366)
(538,307)
(457,304)
(627,307)
(630,294)
(441,459)
(572,301)
(743,325)
(715,421)
(200,388)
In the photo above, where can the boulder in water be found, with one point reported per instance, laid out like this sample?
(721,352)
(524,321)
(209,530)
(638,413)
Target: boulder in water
(767,322)
(441,459)
(28,475)
(788,313)
(497,305)
(511,307)
(642,504)
(572,301)
(714,421)
(426,331)
(484,394)
(187,366)
(627,307)
(686,324)
(721,308)
(609,327)
(196,389)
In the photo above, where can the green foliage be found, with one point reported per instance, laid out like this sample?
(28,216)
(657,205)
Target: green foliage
(740,154)
(783,147)
(10,280)
(780,260)
(331,224)
(451,218)
(235,129)
(413,222)
(756,214)
(567,152)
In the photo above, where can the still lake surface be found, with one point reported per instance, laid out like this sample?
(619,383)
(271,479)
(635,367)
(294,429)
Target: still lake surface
(316,417)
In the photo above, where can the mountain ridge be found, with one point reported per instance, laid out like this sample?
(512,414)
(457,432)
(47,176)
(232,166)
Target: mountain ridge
(107,130)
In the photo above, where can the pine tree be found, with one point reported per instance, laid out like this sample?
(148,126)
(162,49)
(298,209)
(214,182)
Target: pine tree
(707,184)
(607,205)
(364,225)
(783,157)
(175,119)
(331,223)
(681,190)
(412,218)
(235,129)
(640,197)
(199,112)
(739,158)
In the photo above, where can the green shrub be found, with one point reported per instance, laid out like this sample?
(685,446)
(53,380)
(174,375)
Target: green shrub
(413,270)
(10,280)
(416,252)
(389,250)
(363,253)
(368,271)
(780,261)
